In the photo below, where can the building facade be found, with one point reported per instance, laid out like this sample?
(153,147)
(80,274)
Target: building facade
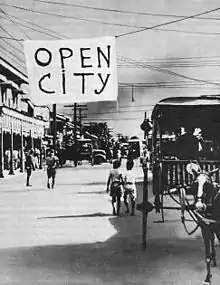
(20,128)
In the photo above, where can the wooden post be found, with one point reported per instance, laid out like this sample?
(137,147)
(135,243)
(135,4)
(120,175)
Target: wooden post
(41,154)
(145,202)
(11,170)
(75,122)
(22,151)
(31,140)
(80,122)
(1,152)
(54,126)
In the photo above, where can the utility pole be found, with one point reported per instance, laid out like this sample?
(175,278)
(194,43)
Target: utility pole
(22,150)
(11,170)
(77,117)
(80,121)
(145,133)
(1,152)
(75,122)
(54,126)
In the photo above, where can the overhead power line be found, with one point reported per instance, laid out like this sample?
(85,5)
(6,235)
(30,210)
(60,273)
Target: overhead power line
(113,119)
(178,58)
(14,58)
(15,24)
(173,64)
(18,50)
(189,32)
(162,70)
(33,29)
(52,33)
(169,23)
(12,39)
(112,112)
(17,57)
(70,17)
(123,11)
(160,82)
(10,35)
(142,28)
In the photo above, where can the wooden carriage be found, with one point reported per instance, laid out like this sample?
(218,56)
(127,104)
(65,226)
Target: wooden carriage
(168,166)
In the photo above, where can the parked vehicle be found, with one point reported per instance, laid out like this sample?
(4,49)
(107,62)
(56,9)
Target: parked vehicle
(98,156)
(85,149)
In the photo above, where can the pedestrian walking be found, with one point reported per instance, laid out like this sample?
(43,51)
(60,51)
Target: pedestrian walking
(36,157)
(129,187)
(29,166)
(114,186)
(52,162)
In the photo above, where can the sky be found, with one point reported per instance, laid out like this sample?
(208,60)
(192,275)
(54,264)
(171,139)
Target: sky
(172,58)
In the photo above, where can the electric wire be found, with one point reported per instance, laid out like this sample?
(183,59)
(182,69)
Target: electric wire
(43,28)
(9,34)
(12,39)
(113,119)
(189,32)
(168,23)
(71,17)
(142,28)
(34,29)
(162,70)
(15,24)
(60,36)
(184,58)
(14,59)
(117,24)
(122,11)
(18,50)
(8,51)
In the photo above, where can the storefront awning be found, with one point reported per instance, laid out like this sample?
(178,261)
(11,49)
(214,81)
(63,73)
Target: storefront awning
(17,121)
(3,78)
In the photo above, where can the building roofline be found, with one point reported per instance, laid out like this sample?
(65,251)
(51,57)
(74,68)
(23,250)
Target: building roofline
(14,70)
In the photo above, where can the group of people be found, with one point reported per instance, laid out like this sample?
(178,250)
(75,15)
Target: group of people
(187,145)
(119,184)
(52,162)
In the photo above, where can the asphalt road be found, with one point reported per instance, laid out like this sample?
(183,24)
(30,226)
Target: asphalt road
(67,235)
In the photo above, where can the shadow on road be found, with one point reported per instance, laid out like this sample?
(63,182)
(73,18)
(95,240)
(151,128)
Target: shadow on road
(77,216)
(168,259)
(88,192)
(25,190)
(119,259)
(80,184)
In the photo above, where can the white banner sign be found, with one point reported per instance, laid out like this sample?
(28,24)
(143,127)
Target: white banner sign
(72,71)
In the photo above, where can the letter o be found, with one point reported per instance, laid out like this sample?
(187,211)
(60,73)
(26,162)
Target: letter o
(41,63)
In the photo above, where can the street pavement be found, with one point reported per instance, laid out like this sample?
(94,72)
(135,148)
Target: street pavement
(67,235)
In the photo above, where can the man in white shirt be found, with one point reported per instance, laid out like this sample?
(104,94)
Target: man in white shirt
(129,187)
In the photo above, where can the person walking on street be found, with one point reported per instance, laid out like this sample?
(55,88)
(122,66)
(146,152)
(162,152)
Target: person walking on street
(29,166)
(114,185)
(129,187)
(52,162)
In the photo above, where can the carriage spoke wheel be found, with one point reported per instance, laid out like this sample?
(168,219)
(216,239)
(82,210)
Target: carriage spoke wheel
(182,196)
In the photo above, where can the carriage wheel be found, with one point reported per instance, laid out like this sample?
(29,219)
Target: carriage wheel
(158,191)
(182,193)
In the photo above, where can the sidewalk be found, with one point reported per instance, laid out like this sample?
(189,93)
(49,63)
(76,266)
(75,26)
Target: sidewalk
(8,176)
(19,178)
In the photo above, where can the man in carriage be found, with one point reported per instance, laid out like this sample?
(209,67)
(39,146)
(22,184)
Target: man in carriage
(187,145)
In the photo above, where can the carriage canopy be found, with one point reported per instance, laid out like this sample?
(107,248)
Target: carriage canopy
(198,112)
